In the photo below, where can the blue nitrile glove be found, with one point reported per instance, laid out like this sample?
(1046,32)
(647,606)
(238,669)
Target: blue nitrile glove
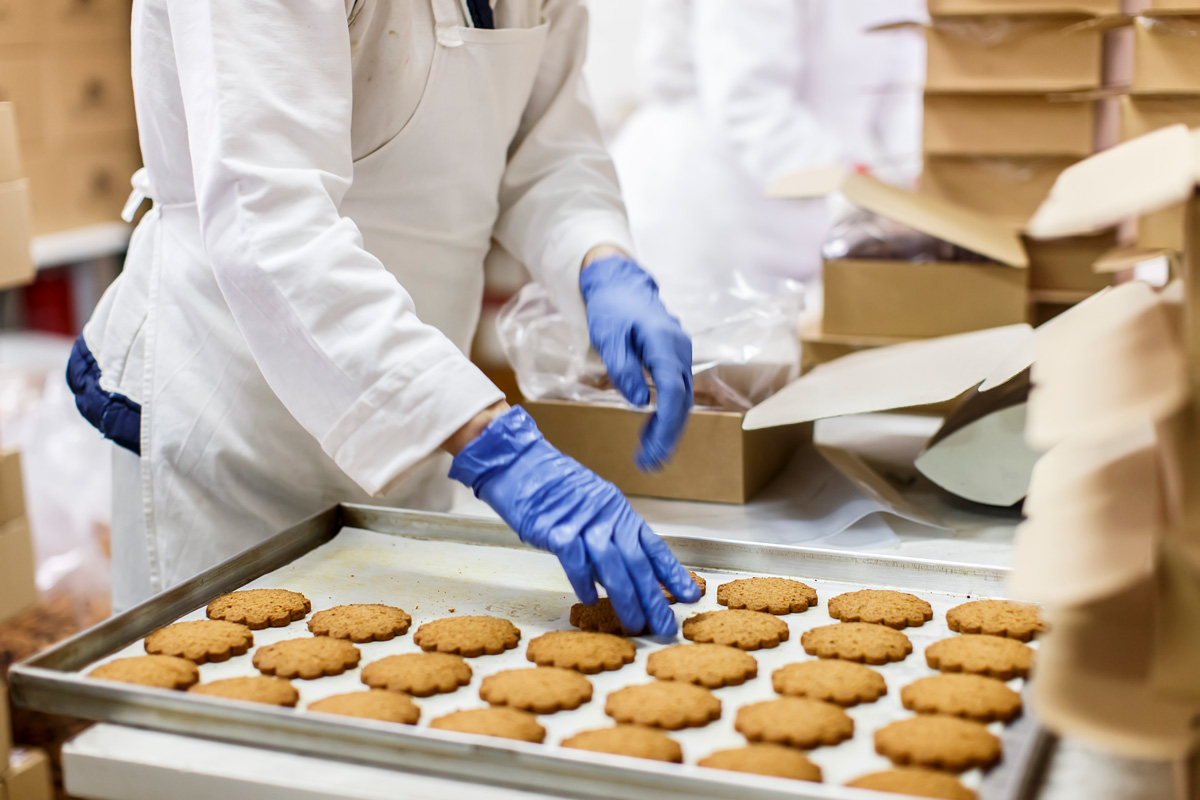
(555,504)
(632,332)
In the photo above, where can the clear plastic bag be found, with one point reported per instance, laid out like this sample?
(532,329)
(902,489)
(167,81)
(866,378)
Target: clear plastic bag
(863,234)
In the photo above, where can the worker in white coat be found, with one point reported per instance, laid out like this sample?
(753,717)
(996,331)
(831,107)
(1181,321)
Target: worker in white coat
(732,101)
(290,327)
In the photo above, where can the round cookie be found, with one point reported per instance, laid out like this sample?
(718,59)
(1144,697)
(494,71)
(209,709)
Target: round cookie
(506,723)
(1020,621)
(468,636)
(628,740)
(937,742)
(765,759)
(831,681)
(600,618)
(374,704)
(703,584)
(709,665)
(915,783)
(308,659)
(542,690)
(201,641)
(161,672)
(974,697)
(795,721)
(582,651)
(857,641)
(363,622)
(881,607)
(259,689)
(418,674)
(747,630)
(664,705)
(260,608)
(980,654)
(773,595)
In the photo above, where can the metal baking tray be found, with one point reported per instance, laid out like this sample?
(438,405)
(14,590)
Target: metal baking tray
(434,565)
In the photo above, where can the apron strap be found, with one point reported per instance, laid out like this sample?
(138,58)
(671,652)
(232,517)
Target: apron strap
(447,22)
(141,192)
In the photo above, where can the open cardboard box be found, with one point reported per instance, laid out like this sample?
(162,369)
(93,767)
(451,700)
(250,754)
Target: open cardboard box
(27,776)
(1005,188)
(1025,123)
(1056,7)
(1165,57)
(16,226)
(18,589)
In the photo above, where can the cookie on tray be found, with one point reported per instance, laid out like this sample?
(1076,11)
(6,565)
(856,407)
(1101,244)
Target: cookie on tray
(664,705)
(600,618)
(747,630)
(506,723)
(914,782)
(309,659)
(418,674)
(373,704)
(881,607)
(980,654)
(259,689)
(468,636)
(1020,621)
(832,681)
(542,690)
(703,584)
(794,721)
(765,759)
(937,742)
(709,665)
(260,608)
(976,697)
(628,740)
(857,641)
(772,595)
(161,672)
(201,641)
(582,651)
(361,622)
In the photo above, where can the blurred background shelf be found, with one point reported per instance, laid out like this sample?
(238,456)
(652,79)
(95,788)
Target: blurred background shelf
(81,244)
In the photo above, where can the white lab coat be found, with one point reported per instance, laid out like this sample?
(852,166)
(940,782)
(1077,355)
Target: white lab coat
(328,180)
(737,95)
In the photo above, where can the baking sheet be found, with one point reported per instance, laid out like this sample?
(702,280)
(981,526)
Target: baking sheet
(435,578)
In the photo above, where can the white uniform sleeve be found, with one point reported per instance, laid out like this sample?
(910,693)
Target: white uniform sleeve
(560,196)
(267,94)
(750,68)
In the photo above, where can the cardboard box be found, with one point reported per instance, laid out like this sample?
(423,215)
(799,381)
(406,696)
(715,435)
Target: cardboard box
(1010,124)
(75,20)
(28,776)
(1141,114)
(818,347)
(1164,229)
(22,83)
(6,739)
(1168,6)
(1058,7)
(1166,59)
(11,166)
(1069,264)
(16,235)
(1008,189)
(90,91)
(19,21)
(12,487)
(84,185)
(717,461)
(18,591)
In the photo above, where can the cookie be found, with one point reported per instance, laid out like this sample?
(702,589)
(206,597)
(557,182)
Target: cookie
(260,608)
(468,636)
(664,705)
(418,674)
(974,697)
(795,721)
(773,595)
(1020,621)
(201,641)
(506,723)
(914,782)
(581,651)
(542,690)
(979,654)
(271,691)
(946,743)
(857,641)
(832,681)
(709,665)
(161,672)
(703,584)
(307,658)
(765,759)
(881,607)
(361,623)
(600,618)
(375,704)
(628,740)
(748,630)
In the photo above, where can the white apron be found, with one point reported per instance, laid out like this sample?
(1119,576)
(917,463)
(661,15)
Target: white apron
(224,464)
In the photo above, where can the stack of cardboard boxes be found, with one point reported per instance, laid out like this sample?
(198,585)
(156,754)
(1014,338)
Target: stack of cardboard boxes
(65,64)
(16,264)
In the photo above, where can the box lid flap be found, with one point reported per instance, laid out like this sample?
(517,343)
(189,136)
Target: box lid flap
(1120,259)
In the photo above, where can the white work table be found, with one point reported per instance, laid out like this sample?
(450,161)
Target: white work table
(110,762)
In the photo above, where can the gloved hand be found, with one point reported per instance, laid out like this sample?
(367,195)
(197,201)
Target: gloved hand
(555,504)
(632,331)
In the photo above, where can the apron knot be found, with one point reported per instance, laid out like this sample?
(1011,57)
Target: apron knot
(140,194)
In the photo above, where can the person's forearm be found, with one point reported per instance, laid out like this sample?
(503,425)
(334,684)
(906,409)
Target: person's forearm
(467,433)
(602,251)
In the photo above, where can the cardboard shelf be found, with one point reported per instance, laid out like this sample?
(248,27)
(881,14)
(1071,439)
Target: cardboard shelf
(81,244)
